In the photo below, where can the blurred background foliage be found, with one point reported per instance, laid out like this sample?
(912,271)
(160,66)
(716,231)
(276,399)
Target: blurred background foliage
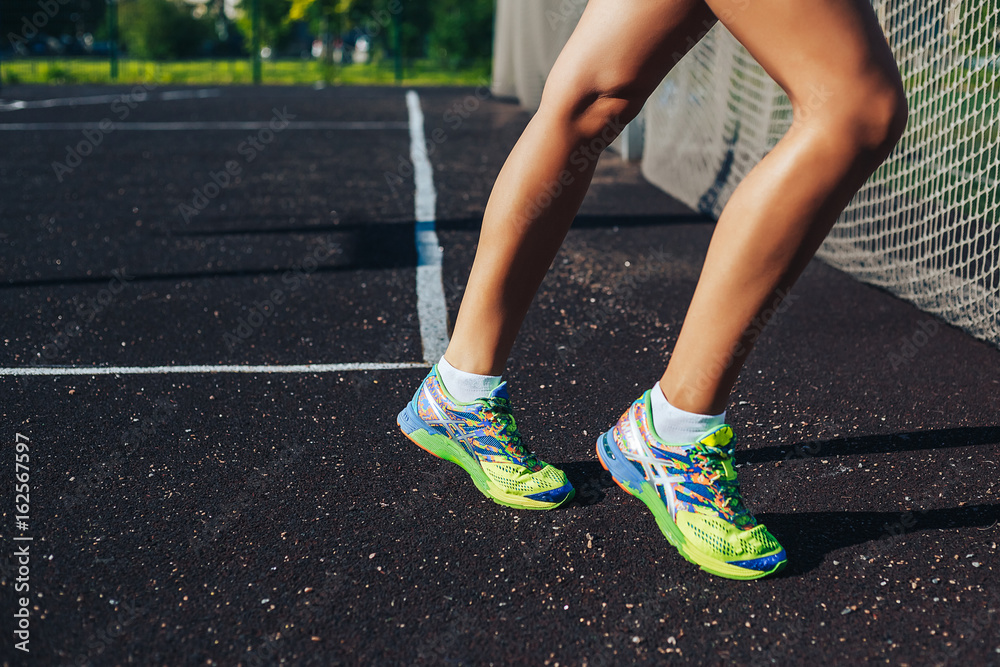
(447,34)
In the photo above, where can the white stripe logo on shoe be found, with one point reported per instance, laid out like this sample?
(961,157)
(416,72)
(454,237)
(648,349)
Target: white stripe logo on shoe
(451,426)
(652,466)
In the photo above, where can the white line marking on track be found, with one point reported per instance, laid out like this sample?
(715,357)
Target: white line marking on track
(17,105)
(187,94)
(205,125)
(163,370)
(431,309)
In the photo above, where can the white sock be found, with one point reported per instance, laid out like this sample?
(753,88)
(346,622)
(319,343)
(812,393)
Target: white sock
(466,387)
(675,426)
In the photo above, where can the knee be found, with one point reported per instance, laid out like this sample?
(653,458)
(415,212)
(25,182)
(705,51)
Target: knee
(871,118)
(596,110)
(880,120)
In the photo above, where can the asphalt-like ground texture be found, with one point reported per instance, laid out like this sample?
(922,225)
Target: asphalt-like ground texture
(283,518)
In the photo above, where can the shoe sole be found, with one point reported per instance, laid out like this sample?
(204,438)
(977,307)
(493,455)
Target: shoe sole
(635,484)
(443,447)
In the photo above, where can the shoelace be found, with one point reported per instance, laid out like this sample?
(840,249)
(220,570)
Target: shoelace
(713,458)
(502,416)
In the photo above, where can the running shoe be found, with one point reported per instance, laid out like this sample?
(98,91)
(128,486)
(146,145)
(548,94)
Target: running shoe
(482,438)
(693,494)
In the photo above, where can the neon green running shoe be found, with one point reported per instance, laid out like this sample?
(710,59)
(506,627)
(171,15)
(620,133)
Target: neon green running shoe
(693,494)
(482,438)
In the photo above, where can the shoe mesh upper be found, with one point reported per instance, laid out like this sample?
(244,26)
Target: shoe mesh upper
(708,506)
(487,431)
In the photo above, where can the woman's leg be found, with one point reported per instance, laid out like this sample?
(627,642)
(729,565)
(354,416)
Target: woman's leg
(849,110)
(615,58)
(613,61)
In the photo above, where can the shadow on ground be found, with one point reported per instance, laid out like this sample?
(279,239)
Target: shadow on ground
(876,444)
(808,537)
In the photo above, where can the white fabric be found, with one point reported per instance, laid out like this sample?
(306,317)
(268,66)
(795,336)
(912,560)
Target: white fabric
(466,387)
(528,37)
(679,427)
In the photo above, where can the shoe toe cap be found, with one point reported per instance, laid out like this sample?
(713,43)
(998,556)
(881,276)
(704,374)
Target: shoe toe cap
(553,495)
(763,563)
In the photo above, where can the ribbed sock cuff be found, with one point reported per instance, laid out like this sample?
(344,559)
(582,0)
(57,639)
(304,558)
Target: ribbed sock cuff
(678,427)
(466,387)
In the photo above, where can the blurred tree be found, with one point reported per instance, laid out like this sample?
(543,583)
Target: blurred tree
(373,19)
(163,29)
(323,17)
(462,31)
(24,24)
(417,19)
(230,39)
(274,21)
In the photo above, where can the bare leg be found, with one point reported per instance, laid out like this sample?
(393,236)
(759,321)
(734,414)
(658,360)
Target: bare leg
(615,58)
(774,221)
(779,215)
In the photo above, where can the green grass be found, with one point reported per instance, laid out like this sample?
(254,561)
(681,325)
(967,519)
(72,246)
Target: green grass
(195,72)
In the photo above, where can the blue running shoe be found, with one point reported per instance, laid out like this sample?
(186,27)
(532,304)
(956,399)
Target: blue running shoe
(693,494)
(483,439)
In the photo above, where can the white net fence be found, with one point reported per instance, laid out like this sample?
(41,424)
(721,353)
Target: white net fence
(529,36)
(924,227)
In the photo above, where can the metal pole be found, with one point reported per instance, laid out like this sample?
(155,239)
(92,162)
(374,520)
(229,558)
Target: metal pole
(113,38)
(255,39)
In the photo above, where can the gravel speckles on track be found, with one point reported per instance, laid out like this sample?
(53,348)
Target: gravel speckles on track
(224,519)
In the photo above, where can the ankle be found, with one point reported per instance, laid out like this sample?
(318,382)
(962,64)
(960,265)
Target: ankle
(676,426)
(463,386)
(473,362)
